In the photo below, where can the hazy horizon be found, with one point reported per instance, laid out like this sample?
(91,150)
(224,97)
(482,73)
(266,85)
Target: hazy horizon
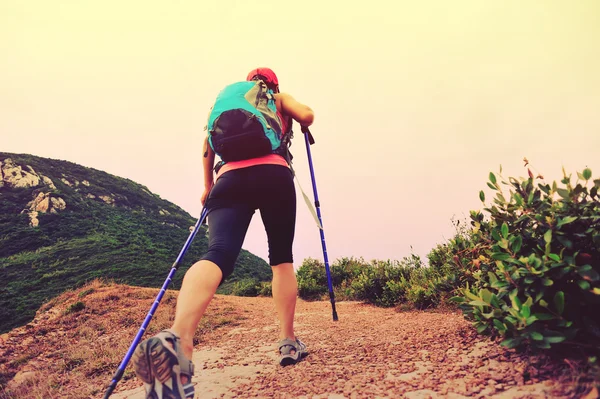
(415,103)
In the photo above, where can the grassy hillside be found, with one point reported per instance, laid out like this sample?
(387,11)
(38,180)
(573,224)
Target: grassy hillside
(62,225)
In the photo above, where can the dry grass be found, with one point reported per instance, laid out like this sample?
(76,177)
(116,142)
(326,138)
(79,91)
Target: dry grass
(77,340)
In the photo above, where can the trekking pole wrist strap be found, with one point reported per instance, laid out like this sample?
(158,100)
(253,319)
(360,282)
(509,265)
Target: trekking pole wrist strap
(305,130)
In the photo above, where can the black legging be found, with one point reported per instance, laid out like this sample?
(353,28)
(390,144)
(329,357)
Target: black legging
(231,204)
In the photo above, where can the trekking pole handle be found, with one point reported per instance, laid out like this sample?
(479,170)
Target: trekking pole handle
(305,130)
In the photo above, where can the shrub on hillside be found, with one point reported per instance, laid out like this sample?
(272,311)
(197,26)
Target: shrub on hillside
(265,289)
(312,279)
(383,283)
(246,287)
(537,265)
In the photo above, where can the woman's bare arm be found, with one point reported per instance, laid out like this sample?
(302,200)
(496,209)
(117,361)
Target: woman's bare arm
(208,162)
(301,113)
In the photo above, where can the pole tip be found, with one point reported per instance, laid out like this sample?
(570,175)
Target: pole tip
(335,316)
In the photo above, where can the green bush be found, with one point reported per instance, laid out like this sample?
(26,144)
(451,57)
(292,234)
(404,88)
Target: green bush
(537,265)
(246,287)
(382,283)
(75,307)
(312,279)
(265,289)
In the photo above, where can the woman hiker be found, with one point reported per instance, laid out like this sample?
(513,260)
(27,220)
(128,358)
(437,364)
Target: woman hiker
(266,183)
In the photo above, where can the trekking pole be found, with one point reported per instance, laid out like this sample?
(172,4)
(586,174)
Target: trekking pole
(138,337)
(308,139)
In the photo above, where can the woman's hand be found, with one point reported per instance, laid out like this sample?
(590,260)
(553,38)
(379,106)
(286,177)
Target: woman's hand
(205,195)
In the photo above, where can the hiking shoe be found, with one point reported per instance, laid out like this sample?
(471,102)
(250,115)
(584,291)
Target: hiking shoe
(291,352)
(159,362)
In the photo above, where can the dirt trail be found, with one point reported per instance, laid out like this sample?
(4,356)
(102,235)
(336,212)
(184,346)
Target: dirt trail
(369,353)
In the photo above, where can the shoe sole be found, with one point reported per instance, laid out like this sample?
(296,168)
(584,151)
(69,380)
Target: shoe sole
(153,363)
(289,360)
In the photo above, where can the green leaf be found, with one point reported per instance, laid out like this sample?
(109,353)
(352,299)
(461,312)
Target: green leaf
(488,315)
(587,173)
(457,299)
(482,328)
(559,302)
(482,196)
(504,230)
(563,193)
(530,320)
(543,303)
(565,241)
(499,284)
(596,291)
(492,178)
(511,343)
(543,316)
(525,311)
(584,284)
(554,257)
(470,295)
(555,339)
(492,277)
(499,325)
(518,199)
(516,302)
(548,236)
(542,344)
(500,256)
(537,336)
(496,236)
(566,220)
(478,302)
(486,295)
(547,282)
(538,296)
(516,246)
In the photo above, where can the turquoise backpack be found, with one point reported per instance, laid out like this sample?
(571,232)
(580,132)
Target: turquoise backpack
(243,123)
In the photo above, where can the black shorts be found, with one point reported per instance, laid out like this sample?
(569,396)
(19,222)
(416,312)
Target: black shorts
(231,204)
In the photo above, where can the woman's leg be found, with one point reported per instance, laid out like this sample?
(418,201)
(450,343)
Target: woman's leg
(228,220)
(197,290)
(278,212)
(227,229)
(285,291)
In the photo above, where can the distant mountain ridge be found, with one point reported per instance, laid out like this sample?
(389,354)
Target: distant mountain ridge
(63,224)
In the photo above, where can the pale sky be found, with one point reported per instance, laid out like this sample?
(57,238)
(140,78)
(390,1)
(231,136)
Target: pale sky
(415,102)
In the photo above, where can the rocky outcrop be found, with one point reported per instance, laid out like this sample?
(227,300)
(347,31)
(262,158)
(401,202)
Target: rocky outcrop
(108,199)
(73,182)
(45,203)
(17,176)
(65,181)
(14,175)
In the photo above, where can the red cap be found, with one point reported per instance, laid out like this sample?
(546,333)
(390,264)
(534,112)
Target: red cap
(267,73)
